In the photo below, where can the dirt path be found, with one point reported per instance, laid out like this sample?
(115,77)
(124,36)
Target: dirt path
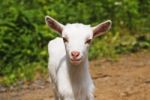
(125,79)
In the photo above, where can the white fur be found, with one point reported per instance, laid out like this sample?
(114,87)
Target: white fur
(70,81)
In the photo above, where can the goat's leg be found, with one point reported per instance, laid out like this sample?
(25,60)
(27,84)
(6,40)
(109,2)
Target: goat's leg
(90,97)
(68,98)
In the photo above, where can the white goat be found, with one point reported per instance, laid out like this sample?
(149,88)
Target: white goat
(68,59)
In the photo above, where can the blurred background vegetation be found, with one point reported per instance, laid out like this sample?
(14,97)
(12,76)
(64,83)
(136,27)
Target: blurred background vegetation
(24,35)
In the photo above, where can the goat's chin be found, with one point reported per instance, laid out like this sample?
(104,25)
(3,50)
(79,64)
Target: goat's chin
(75,62)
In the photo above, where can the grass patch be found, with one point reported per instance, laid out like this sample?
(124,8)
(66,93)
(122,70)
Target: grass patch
(26,73)
(113,44)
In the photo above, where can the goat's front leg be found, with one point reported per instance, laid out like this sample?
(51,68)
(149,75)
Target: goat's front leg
(90,97)
(68,98)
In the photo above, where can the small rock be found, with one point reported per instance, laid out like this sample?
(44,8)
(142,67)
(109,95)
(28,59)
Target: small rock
(2,89)
(124,94)
(147,81)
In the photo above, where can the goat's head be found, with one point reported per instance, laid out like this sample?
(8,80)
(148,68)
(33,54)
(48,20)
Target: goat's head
(77,37)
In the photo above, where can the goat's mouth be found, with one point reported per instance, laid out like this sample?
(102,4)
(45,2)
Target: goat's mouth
(75,61)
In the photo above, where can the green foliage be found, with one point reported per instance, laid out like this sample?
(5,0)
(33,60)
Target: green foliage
(25,73)
(24,35)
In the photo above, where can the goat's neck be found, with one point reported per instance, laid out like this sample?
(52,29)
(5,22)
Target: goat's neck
(78,73)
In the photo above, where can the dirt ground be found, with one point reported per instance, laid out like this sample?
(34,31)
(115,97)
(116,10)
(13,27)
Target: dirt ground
(128,78)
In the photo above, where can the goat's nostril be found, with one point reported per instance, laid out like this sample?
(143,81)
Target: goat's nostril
(75,53)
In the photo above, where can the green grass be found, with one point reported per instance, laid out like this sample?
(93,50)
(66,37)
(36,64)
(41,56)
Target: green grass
(113,44)
(26,73)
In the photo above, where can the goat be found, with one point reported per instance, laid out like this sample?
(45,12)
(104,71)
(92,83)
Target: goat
(68,59)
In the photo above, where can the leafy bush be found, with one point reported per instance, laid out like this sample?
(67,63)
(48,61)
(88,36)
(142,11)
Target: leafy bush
(24,35)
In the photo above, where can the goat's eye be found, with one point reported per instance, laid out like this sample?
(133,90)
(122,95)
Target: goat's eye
(88,41)
(65,39)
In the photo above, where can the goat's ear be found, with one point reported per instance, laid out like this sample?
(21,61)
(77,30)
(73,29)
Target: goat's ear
(101,28)
(55,25)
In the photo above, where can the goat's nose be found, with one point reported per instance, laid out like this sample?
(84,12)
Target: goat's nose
(75,54)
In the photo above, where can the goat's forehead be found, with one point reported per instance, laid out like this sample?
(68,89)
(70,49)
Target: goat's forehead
(77,30)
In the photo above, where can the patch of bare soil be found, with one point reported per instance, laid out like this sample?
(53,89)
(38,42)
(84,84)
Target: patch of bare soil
(128,78)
